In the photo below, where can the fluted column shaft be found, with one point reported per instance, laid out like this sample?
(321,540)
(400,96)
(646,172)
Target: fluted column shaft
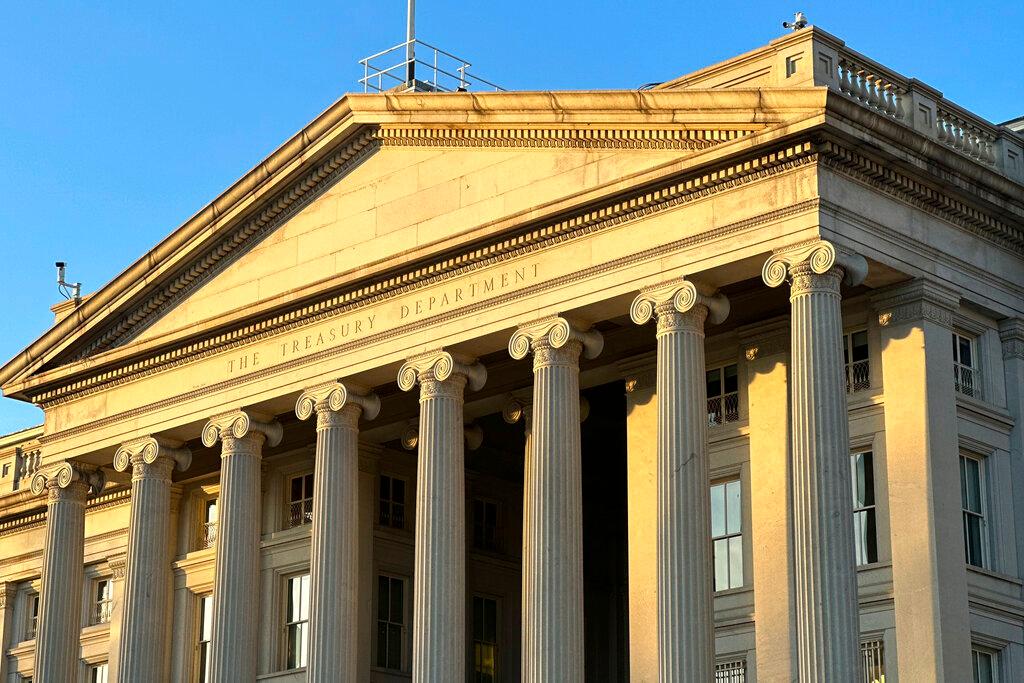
(823,544)
(146,602)
(686,624)
(334,560)
(60,596)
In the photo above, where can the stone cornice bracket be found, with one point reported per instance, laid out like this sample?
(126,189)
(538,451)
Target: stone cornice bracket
(679,296)
(555,332)
(66,474)
(149,449)
(1011,333)
(8,589)
(820,256)
(334,396)
(764,338)
(915,300)
(440,365)
(410,438)
(240,424)
(118,564)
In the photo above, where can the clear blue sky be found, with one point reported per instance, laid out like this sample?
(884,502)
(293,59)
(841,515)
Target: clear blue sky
(118,121)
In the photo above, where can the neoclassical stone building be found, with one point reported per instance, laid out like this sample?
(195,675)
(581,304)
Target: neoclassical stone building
(715,381)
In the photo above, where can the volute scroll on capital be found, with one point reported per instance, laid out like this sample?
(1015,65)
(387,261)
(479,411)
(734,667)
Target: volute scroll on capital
(473,433)
(555,332)
(65,475)
(820,257)
(149,449)
(240,424)
(439,366)
(679,296)
(334,396)
(518,409)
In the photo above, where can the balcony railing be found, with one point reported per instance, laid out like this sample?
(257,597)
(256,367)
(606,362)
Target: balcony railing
(858,376)
(967,380)
(722,409)
(872,657)
(731,672)
(208,535)
(396,69)
(102,612)
(300,512)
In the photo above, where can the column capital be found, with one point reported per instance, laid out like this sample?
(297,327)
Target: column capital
(473,433)
(678,296)
(516,408)
(148,450)
(554,332)
(69,480)
(439,365)
(335,396)
(816,256)
(915,300)
(1011,334)
(238,425)
(118,564)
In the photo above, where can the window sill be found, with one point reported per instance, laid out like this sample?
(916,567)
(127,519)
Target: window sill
(298,674)
(992,574)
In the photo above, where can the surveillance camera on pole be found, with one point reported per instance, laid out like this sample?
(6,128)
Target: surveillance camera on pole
(799,22)
(67,290)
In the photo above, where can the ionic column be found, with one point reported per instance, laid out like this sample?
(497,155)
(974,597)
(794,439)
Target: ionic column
(686,620)
(147,590)
(439,581)
(334,555)
(552,602)
(827,614)
(60,596)
(236,594)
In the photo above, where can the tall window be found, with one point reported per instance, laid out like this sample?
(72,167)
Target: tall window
(300,500)
(731,672)
(872,657)
(972,501)
(208,533)
(985,666)
(98,673)
(390,621)
(392,502)
(723,395)
(485,640)
(966,376)
(102,600)
(855,352)
(296,625)
(485,524)
(864,529)
(727,534)
(31,615)
(205,636)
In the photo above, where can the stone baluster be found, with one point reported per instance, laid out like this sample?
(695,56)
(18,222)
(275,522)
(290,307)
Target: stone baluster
(60,596)
(827,613)
(143,654)
(686,624)
(334,554)
(552,607)
(439,590)
(236,591)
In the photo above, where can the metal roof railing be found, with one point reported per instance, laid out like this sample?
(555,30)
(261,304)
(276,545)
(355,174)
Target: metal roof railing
(397,69)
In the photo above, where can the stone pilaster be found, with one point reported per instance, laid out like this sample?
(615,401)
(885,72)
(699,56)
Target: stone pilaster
(439,590)
(8,593)
(143,653)
(552,598)
(334,553)
(827,612)
(60,596)
(236,594)
(686,624)
(118,565)
(1011,334)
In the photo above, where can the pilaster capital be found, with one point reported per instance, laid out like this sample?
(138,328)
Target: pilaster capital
(438,366)
(915,300)
(8,589)
(335,396)
(473,433)
(1011,334)
(238,425)
(554,332)
(817,257)
(148,450)
(69,481)
(118,564)
(678,296)
(640,372)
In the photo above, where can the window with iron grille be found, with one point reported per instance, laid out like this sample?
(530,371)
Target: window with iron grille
(727,534)
(300,500)
(392,502)
(872,657)
(485,640)
(98,673)
(390,622)
(102,600)
(972,499)
(985,665)
(731,672)
(296,626)
(208,531)
(723,395)
(864,525)
(858,368)
(205,637)
(485,524)
(31,614)
(966,373)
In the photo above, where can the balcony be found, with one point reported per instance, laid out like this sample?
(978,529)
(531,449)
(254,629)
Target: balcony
(858,376)
(208,535)
(967,380)
(299,512)
(722,409)
(731,672)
